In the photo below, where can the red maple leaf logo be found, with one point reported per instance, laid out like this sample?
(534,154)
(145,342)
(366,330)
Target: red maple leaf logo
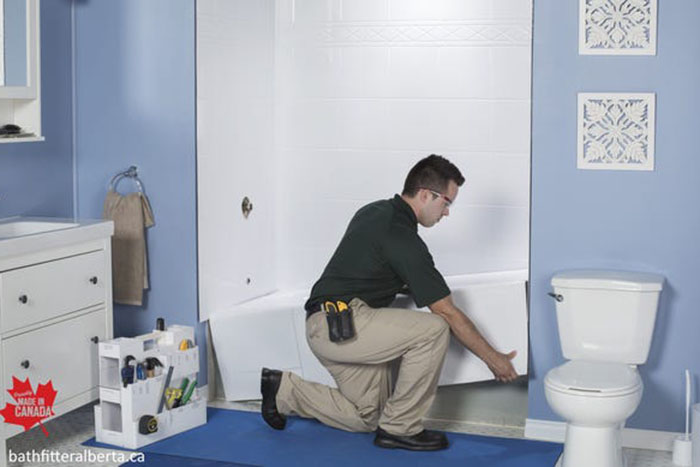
(32,407)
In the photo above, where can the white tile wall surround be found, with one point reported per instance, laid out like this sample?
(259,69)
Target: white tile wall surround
(364,10)
(492,178)
(452,124)
(464,33)
(616,131)
(617,27)
(440,9)
(368,174)
(435,72)
(362,90)
(480,238)
(235,126)
(304,12)
(510,126)
(509,9)
(310,11)
(368,88)
(510,74)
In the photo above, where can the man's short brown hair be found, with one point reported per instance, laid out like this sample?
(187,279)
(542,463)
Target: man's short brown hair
(434,172)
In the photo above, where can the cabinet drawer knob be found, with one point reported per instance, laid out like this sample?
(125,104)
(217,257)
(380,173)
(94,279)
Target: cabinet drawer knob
(25,364)
(95,339)
(93,279)
(23,298)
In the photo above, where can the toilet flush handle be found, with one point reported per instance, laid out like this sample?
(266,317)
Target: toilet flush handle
(556,296)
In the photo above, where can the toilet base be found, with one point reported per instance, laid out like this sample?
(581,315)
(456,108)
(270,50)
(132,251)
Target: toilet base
(561,460)
(586,446)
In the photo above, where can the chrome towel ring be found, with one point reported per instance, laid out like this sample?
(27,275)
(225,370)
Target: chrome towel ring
(131,172)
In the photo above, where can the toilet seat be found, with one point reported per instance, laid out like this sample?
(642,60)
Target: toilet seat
(594,379)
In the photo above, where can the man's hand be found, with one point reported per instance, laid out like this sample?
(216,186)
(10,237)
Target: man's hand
(501,367)
(464,330)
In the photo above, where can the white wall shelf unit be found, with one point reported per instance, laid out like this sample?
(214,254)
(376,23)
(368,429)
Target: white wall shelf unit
(121,407)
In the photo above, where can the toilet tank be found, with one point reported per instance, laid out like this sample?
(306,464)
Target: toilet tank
(606,315)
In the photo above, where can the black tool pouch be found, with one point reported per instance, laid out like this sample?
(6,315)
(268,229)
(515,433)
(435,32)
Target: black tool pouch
(340,324)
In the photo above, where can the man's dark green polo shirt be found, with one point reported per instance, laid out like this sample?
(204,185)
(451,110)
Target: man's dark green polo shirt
(378,256)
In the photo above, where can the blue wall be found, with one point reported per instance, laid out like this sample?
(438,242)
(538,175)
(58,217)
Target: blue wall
(136,105)
(135,80)
(37,178)
(647,221)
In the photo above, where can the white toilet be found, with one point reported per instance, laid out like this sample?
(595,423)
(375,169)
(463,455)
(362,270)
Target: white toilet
(606,320)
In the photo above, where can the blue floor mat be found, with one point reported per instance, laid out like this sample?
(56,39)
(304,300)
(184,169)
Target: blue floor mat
(243,437)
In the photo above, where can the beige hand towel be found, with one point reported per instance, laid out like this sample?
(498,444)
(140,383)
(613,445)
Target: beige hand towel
(131,215)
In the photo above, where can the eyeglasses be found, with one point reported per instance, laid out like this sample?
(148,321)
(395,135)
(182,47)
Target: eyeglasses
(437,194)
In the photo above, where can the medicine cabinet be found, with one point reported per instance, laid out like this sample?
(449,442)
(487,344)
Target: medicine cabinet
(20,75)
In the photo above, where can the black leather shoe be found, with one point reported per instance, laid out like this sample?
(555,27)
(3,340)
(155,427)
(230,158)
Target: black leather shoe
(269,385)
(426,440)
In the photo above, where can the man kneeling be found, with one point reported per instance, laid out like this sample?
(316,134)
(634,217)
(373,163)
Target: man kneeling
(380,255)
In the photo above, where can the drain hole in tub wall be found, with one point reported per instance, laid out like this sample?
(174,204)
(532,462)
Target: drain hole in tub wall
(247,280)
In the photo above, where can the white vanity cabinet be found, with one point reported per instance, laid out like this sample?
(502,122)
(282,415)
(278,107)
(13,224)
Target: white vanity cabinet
(55,307)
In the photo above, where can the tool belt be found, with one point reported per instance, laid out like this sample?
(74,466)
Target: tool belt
(340,322)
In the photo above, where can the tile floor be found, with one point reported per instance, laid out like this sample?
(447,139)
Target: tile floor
(66,434)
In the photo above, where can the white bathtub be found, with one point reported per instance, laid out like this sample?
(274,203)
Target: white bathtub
(270,331)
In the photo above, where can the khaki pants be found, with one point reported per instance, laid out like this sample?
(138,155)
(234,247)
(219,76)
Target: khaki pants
(361,369)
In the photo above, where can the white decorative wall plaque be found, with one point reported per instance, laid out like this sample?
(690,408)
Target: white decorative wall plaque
(617,27)
(616,131)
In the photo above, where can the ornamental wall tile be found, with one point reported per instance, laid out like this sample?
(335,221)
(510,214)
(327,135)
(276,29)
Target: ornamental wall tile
(617,27)
(616,131)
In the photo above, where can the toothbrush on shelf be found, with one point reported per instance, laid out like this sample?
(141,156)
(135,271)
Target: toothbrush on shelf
(687,404)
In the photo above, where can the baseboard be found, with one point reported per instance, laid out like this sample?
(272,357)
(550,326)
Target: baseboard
(649,439)
(547,430)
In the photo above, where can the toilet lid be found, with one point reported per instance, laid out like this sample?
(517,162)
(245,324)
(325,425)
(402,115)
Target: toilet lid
(594,378)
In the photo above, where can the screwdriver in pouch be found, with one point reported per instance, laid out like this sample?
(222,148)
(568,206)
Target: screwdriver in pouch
(333,318)
(347,328)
